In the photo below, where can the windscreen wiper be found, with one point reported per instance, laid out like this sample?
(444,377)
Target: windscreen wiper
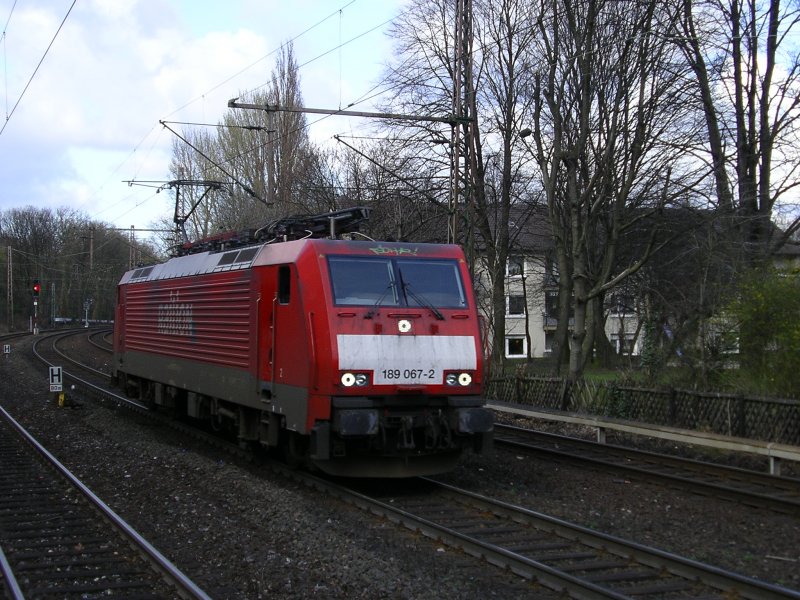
(371,312)
(417,298)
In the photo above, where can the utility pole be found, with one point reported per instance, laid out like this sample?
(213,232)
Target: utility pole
(10,291)
(53,313)
(91,249)
(132,249)
(271,162)
(463,101)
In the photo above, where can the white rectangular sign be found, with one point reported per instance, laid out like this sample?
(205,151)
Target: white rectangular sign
(55,379)
(406,359)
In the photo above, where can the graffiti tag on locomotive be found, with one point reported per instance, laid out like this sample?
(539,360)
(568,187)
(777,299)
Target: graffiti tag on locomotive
(360,358)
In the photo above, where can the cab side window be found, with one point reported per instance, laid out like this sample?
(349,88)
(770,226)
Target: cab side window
(284,284)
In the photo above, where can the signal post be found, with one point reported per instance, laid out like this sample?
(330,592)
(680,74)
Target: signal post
(36,289)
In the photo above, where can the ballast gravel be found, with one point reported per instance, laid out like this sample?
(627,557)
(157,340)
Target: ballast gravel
(240,532)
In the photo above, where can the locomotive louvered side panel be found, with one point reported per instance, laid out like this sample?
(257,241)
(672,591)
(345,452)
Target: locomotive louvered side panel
(206,320)
(361,357)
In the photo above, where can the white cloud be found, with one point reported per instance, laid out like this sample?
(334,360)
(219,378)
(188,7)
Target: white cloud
(89,119)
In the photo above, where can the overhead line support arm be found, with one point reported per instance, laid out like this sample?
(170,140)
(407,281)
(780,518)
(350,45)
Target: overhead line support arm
(451,120)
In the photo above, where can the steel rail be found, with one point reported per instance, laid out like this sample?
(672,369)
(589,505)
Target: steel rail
(741,485)
(730,583)
(562,580)
(727,583)
(104,345)
(184,586)
(9,579)
(63,335)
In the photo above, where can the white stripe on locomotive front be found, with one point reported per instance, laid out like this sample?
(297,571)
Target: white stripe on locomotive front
(406,353)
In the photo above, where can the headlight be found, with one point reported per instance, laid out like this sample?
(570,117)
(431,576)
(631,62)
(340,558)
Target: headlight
(354,379)
(462,379)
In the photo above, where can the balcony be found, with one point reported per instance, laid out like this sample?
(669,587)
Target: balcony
(549,322)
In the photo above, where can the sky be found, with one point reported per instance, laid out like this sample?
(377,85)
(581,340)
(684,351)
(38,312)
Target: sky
(86,120)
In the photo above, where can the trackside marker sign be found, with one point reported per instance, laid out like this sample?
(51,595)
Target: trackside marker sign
(55,379)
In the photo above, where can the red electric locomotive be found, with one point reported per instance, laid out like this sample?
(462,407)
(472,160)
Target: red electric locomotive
(362,358)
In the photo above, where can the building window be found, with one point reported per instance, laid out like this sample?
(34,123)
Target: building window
(515,306)
(549,341)
(622,304)
(551,304)
(515,266)
(623,344)
(516,347)
(550,270)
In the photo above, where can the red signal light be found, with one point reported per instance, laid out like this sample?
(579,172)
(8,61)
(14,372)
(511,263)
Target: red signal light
(36,289)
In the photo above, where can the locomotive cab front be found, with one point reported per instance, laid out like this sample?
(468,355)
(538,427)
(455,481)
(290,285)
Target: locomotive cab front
(405,378)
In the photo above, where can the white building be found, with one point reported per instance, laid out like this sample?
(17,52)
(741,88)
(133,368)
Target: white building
(532,305)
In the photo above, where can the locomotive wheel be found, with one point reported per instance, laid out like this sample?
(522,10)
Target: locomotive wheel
(148,396)
(295,449)
(215,420)
(130,387)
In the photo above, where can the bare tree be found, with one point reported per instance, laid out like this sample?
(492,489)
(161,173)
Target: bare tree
(402,190)
(608,138)
(73,259)
(265,158)
(507,36)
(747,79)
(423,79)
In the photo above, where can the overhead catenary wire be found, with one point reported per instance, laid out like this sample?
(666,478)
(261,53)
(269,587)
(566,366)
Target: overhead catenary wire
(233,178)
(248,67)
(368,95)
(36,70)
(253,64)
(145,145)
(5,56)
(338,12)
(365,97)
(137,147)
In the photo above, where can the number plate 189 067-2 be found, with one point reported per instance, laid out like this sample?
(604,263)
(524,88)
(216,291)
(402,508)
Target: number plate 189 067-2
(406,375)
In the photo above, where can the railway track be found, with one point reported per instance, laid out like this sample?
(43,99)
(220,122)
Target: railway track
(47,349)
(96,383)
(58,540)
(101,339)
(740,485)
(568,559)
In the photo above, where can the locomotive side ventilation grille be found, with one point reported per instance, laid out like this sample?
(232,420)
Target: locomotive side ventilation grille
(141,273)
(237,259)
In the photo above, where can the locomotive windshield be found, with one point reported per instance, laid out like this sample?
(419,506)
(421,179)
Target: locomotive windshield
(396,282)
